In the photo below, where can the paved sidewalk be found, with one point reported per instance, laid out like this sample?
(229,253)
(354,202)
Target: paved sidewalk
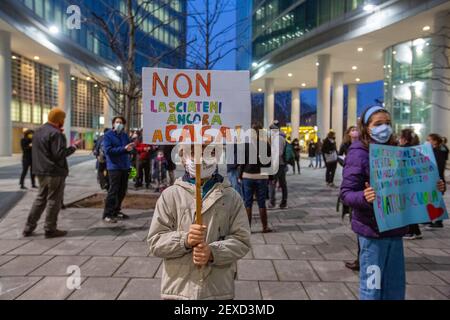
(303,259)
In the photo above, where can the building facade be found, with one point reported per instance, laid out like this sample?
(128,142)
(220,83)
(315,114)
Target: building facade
(47,60)
(325,44)
(243,35)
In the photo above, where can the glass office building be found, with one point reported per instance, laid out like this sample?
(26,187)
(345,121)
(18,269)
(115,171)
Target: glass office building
(278,22)
(160,40)
(407,80)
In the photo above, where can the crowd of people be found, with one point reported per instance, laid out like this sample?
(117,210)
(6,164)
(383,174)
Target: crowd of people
(224,235)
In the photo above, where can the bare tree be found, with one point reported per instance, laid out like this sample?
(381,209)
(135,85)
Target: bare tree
(213,40)
(119,32)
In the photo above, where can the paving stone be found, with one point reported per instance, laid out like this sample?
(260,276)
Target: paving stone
(268,251)
(445,290)
(417,275)
(430,243)
(340,239)
(158,274)
(417,292)
(414,257)
(58,265)
(249,255)
(298,252)
(5,259)
(256,270)
(295,270)
(139,267)
(133,249)
(334,271)
(307,239)
(335,252)
(328,291)
(11,287)
(49,288)
(257,239)
(283,291)
(442,271)
(142,289)
(99,289)
(36,247)
(247,290)
(435,255)
(315,228)
(278,238)
(22,265)
(101,266)
(102,248)
(69,247)
(9,245)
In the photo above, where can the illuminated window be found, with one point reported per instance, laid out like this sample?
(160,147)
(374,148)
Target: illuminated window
(26,112)
(15,110)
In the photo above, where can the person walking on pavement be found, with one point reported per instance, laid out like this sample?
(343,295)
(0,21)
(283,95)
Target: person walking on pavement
(117,149)
(233,169)
(280,177)
(50,166)
(311,153)
(26,144)
(319,154)
(330,156)
(171,166)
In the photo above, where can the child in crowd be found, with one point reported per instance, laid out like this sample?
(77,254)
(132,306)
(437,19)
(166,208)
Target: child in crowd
(199,260)
(382,263)
(160,165)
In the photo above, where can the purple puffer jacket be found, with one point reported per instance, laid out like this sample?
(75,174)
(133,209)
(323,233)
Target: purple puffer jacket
(356,174)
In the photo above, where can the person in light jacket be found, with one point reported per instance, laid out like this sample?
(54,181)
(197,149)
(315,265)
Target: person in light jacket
(199,260)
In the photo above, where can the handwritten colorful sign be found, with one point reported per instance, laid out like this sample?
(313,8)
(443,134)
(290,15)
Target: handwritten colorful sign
(177,104)
(405,181)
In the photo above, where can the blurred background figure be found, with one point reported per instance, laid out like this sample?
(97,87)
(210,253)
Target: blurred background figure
(26,144)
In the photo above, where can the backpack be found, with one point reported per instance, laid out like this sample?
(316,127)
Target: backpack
(289,153)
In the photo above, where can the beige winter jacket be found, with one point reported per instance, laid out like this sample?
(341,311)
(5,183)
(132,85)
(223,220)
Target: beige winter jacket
(228,235)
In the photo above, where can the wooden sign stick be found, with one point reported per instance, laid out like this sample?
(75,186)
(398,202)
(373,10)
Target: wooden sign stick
(198,184)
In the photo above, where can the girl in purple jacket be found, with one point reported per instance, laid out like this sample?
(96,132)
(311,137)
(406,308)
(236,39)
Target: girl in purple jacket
(382,263)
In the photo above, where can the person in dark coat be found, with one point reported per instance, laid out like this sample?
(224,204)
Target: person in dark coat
(312,146)
(26,144)
(329,151)
(440,151)
(50,154)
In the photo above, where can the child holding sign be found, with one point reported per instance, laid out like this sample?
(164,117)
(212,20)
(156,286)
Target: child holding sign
(199,260)
(382,263)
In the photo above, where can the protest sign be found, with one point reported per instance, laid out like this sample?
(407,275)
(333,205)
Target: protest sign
(405,181)
(194,105)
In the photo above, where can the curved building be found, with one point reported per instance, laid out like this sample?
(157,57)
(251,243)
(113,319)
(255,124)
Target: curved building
(49,58)
(327,44)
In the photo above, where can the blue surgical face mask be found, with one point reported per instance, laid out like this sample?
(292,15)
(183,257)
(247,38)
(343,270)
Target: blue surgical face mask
(382,133)
(118,127)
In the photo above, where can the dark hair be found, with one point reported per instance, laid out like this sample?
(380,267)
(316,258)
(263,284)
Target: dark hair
(436,137)
(118,117)
(347,137)
(331,135)
(364,135)
(412,139)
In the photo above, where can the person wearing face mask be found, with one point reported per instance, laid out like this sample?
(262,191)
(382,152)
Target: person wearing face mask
(26,144)
(50,166)
(381,256)
(330,156)
(118,147)
(199,260)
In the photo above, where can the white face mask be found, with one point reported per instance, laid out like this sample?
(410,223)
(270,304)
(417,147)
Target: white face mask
(208,168)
